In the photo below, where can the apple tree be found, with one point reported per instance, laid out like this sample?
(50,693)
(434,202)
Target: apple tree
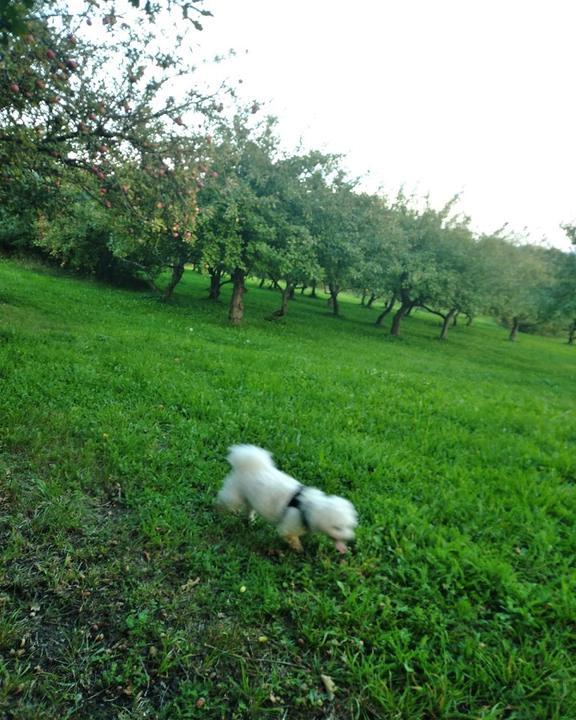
(414,265)
(520,281)
(103,109)
(234,222)
(333,222)
(377,235)
(457,286)
(560,299)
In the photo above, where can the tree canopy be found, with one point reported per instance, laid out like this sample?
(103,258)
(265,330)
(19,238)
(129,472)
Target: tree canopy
(114,162)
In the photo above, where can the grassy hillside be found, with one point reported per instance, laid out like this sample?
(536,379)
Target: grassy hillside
(124,595)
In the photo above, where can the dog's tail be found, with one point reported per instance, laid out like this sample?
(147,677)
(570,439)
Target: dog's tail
(249,458)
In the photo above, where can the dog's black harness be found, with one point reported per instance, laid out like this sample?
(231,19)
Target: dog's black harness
(295,503)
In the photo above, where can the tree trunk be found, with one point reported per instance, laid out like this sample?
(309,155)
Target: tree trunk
(455,321)
(215,284)
(177,272)
(334,290)
(387,309)
(446,320)
(313,293)
(469,320)
(401,313)
(572,333)
(236,312)
(287,294)
(514,331)
(363,298)
(262,281)
(371,300)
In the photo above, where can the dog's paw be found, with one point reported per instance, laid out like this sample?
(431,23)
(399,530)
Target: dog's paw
(294,542)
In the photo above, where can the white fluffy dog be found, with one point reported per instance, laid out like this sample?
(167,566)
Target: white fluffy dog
(255,485)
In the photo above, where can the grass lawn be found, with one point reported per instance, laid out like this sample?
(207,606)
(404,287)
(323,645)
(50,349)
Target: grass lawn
(124,595)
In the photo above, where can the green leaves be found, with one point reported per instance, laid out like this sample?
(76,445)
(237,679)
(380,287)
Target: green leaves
(13,18)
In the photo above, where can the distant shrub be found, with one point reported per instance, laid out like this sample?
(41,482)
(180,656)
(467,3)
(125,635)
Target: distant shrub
(82,242)
(16,232)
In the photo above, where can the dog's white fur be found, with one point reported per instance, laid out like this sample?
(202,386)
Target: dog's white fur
(255,485)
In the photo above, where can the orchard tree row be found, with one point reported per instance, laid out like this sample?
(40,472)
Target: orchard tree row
(109,168)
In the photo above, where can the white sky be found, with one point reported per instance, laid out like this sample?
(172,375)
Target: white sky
(441,96)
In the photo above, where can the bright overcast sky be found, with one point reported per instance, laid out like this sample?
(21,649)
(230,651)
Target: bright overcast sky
(441,96)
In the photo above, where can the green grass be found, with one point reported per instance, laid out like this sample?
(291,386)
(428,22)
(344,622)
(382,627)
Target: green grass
(124,595)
